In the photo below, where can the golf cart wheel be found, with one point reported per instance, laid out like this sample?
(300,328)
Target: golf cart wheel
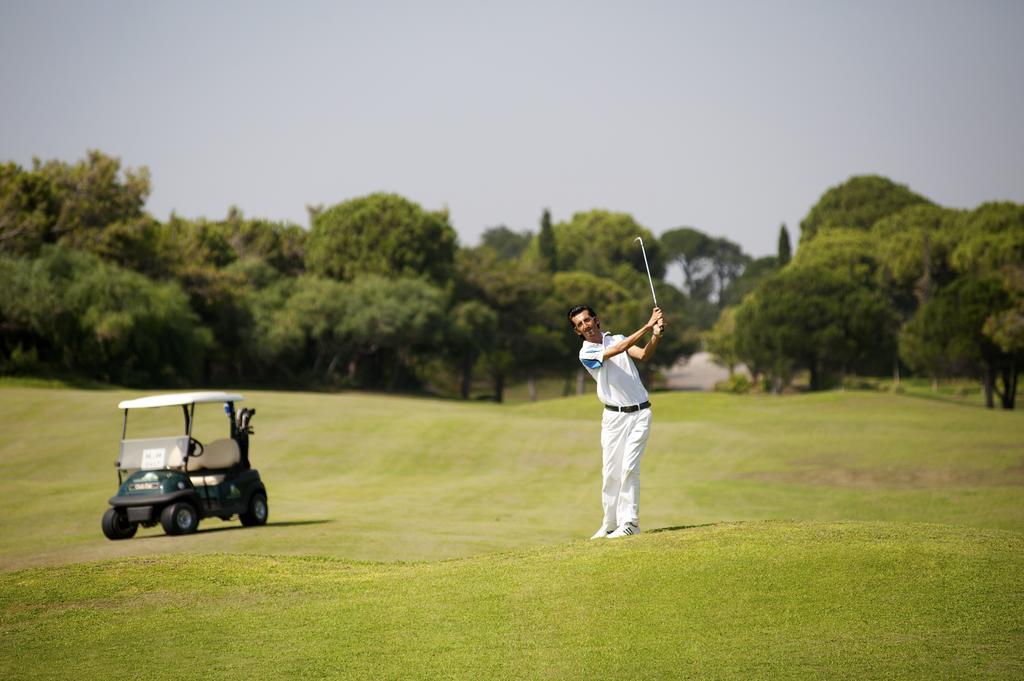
(258,510)
(179,518)
(116,526)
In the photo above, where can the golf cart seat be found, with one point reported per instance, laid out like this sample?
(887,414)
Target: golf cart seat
(217,455)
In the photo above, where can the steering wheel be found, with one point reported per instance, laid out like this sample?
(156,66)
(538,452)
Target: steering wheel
(194,445)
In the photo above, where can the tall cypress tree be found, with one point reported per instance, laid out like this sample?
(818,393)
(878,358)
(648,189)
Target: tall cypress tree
(546,243)
(785,250)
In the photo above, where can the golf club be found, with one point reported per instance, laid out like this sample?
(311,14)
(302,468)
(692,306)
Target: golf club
(649,279)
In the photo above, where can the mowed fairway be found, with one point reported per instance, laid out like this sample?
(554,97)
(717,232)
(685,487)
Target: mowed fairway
(853,535)
(760,600)
(371,477)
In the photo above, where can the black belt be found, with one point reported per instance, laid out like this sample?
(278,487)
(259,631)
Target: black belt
(628,410)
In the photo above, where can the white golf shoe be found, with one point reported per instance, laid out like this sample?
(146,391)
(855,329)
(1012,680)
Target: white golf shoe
(602,533)
(624,530)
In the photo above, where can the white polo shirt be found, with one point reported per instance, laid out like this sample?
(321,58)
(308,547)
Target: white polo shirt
(618,382)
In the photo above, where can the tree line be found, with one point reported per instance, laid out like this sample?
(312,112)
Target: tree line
(379,294)
(376,294)
(886,281)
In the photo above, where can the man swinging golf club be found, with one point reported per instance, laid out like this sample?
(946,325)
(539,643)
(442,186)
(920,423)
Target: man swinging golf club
(626,421)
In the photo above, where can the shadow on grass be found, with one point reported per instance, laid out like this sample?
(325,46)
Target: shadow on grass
(287,523)
(963,401)
(675,528)
(232,528)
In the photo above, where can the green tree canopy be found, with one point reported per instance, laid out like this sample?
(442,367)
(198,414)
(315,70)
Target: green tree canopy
(470,333)
(84,315)
(516,292)
(507,244)
(74,201)
(753,274)
(813,317)
(849,250)
(28,209)
(709,264)
(857,204)
(947,336)
(546,246)
(382,234)
(991,238)
(362,333)
(597,241)
(281,245)
(720,341)
(691,249)
(914,245)
(785,249)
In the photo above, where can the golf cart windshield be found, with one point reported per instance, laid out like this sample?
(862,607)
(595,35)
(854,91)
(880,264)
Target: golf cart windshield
(153,453)
(169,450)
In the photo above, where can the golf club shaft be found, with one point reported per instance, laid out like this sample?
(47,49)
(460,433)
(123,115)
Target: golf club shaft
(649,279)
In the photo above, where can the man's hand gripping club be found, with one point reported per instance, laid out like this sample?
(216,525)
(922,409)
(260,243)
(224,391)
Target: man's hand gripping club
(655,323)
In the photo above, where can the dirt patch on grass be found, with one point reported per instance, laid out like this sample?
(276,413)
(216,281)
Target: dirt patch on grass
(829,473)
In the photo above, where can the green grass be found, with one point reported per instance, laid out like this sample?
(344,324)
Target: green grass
(760,600)
(841,535)
(372,477)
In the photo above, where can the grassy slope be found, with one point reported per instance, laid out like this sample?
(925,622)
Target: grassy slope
(749,600)
(384,478)
(381,478)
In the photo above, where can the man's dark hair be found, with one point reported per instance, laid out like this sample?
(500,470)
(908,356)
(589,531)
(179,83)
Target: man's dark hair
(576,310)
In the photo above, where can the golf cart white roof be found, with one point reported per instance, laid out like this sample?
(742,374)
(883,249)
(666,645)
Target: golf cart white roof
(173,399)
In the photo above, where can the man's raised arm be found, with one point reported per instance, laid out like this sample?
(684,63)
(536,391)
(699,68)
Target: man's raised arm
(633,338)
(645,353)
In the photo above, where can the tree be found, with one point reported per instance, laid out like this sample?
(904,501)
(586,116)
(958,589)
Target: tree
(365,333)
(381,234)
(28,209)
(191,244)
(514,291)
(507,244)
(847,250)
(753,274)
(278,342)
(598,241)
(387,322)
(1005,328)
(471,331)
(857,204)
(691,250)
(853,253)
(727,263)
(77,313)
(546,243)
(914,246)
(813,317)
(298,320)
(92,194)
(947,337)
(279,244)
(57,200)
(136,244)
(990,237)
(992,247)
(720,341)
(709,264)
(785,249)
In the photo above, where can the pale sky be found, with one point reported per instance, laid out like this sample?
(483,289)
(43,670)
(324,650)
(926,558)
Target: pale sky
(731,117)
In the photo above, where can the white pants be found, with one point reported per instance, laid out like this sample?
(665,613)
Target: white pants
(623,439)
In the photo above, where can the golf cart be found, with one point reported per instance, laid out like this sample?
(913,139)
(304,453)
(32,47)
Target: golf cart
(176,480)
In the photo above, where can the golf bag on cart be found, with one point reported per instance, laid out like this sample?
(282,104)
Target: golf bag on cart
(242,431)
